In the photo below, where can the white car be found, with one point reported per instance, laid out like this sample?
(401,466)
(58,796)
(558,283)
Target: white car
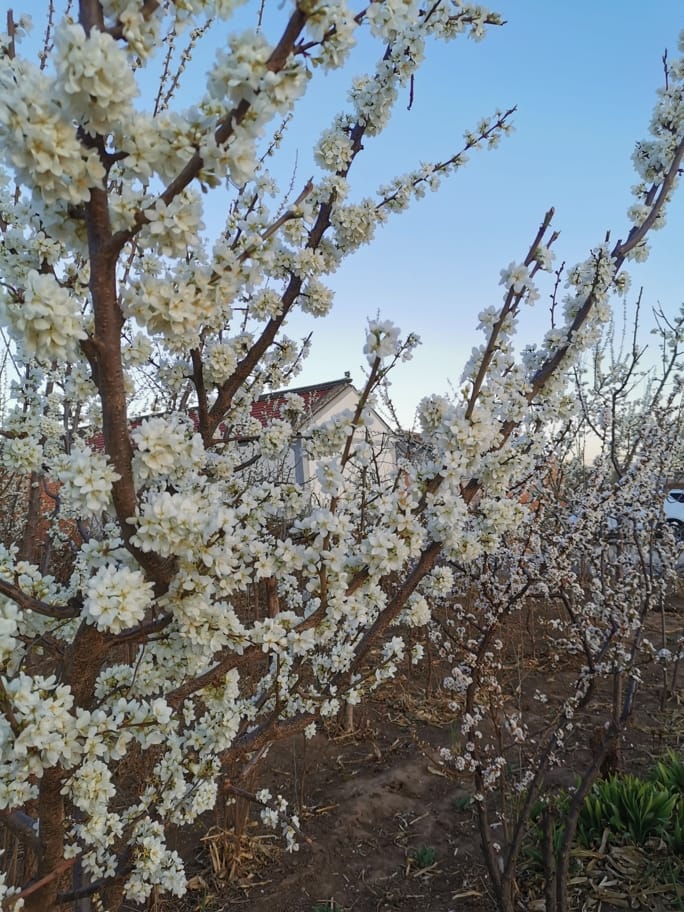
(674,510)
(674,504)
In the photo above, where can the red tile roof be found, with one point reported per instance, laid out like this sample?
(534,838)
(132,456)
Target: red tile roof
(264,409)
(270,405)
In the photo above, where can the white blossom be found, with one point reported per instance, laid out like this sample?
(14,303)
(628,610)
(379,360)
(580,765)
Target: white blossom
(45,317)
(116,598)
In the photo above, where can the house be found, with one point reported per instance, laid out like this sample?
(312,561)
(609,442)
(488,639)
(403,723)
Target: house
(322,403)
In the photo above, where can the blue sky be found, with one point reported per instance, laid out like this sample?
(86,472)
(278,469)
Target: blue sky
(583,76)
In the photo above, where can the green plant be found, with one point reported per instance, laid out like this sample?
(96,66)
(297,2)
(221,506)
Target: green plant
(462,802)
(630,808)
(674,836)
(424,856)
(592,821)
(328,905)
(669,773)
(558,805)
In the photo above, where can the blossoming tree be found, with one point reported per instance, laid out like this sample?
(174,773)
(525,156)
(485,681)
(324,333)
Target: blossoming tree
(204,613)
(581,574)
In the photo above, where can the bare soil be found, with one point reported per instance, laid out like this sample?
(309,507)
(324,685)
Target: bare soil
(382,828)
(374,809)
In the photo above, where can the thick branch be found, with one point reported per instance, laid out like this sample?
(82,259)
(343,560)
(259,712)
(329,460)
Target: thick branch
(91,15)
(22,826)
(225,128)
(29,603)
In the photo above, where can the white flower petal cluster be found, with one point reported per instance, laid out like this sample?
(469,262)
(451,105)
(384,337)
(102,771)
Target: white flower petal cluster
(331,477)
(221,359)
(86,481)
(34,583)
(516,277)
(137,352)
(154,146)
(174,523)
(116,598)
(174,227)
(167,450)
(173,306)
(316,298)
(276,812)
(439,583)
(653,157)
(204,621)
(45,734)
(383,551)
(44,318)
(242,76)
(237,75)
(40,139)
(22,454)
(374,98)
(355,225)
(334,151)
(266,304)
(417,612)
(91,786)
(93,78)
(275,438)
(140,31)
(327,439)
(388,19)
(382,340)
(9,629)
(154,864)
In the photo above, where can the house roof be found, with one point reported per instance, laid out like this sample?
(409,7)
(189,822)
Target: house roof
(270,405)
(265,408)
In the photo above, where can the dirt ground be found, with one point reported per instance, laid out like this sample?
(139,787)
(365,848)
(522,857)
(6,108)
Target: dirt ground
(382,828)
(374,810)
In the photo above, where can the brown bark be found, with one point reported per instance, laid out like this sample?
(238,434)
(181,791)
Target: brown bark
(51,840)
(82,662)
(30,544)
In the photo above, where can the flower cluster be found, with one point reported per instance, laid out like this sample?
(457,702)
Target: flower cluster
(275,812)
(93,78)
(86,481)
(22,454)
(166,449)
(44,318)
(275,438)
(382,340)
(116,598)
(40,139)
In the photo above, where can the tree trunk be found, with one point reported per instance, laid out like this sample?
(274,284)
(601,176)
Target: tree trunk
(51,838)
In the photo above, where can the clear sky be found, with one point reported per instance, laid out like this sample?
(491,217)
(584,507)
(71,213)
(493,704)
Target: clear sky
(583,75)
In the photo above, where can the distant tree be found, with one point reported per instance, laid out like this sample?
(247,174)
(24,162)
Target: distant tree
(572,587)
(623,382)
